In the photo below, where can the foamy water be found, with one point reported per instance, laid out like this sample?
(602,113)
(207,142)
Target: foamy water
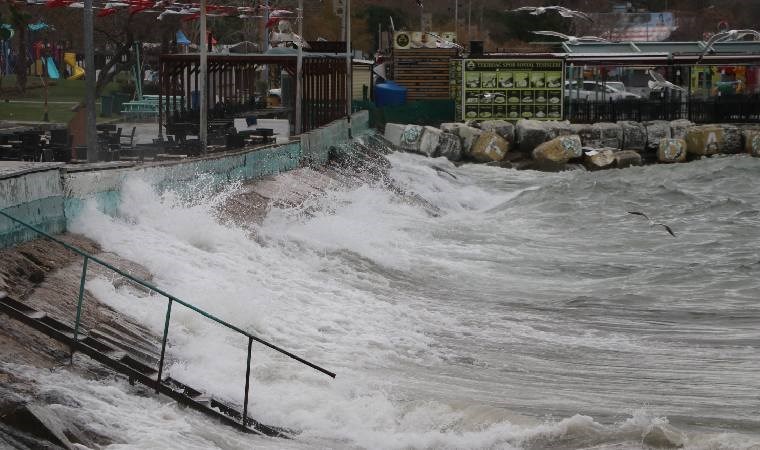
(531,312)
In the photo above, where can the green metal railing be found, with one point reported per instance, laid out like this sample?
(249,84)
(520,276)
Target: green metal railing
(171,299)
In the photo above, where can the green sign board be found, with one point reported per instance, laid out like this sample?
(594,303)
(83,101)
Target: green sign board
(512,89)
(455,85)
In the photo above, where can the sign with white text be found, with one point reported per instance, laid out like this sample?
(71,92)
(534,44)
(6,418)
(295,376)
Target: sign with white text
(512,89)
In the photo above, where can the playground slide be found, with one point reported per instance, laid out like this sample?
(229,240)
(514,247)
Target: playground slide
(52,70)
(71,60)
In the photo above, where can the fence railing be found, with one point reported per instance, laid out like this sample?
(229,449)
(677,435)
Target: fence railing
(171,300)
(744,109)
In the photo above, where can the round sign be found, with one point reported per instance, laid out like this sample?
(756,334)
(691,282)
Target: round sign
(402,40)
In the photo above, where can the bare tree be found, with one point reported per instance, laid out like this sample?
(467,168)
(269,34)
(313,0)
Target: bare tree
(117,36)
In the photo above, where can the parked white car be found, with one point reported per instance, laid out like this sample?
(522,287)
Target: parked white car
(596,90)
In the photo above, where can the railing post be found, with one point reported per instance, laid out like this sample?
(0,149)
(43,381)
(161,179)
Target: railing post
(247,381)
(79,303)
(163,344)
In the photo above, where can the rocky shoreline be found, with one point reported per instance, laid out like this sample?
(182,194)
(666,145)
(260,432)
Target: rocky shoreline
(560,145)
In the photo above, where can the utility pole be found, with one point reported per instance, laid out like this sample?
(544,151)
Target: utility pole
(349,78)
(343,21)
(202,80)
(469,19)
(266,48)
(299,72)
(90,78)
(480,25)
(456,20)
(422,18)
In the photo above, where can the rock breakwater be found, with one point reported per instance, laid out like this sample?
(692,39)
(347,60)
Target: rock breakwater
(559,145)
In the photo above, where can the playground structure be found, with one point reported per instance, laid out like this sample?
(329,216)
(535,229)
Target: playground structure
(52,70)
(143,106)
(77,72)
(45,58)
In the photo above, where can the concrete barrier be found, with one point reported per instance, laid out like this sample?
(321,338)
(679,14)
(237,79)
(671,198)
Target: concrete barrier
(34,196)
(48,196)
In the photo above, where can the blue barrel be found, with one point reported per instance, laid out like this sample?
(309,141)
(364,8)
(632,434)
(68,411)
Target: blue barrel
(195,100)
(389,94)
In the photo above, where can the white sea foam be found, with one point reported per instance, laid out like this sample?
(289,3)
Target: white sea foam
(464,330)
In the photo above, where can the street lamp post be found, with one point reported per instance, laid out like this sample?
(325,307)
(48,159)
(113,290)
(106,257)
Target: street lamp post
(202,81)
(456,20)
(299,72)
(89,62)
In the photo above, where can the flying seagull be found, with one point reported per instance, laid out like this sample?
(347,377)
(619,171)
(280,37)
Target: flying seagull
(564,12)
(730,35)
(173,12)
(652,222)
(658,82)
(572,40)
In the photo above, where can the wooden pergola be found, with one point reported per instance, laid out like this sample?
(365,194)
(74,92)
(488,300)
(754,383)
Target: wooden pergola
(232,79)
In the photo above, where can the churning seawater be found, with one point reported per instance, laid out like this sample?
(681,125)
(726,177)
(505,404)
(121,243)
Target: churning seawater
(531,312)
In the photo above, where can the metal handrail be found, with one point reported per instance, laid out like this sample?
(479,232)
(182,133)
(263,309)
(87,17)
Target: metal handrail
(171,299)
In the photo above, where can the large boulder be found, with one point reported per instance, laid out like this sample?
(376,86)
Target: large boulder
(705,140)
(598,135)
(752,142)
(468,135)
(671,150)
(610,134)
(598,159)
(657,130)
(449,146)
(634,135)
(501,127)
(679,127)
(532,133)
(732,139)
(585,131)
(663,435)
(489,147)
(559,150)
(393,133)
(627,158)
(451,127)
(435,142)
(559,128)
(411,138)
(430,141)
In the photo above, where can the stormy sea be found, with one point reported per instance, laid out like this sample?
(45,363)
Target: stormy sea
(462,307)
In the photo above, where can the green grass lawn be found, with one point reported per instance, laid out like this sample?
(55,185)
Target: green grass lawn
(34,112)
(62,95)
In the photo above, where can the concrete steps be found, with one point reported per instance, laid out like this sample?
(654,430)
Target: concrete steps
(136,356)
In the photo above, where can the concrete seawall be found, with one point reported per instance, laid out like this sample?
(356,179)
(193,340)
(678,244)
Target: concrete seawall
(49,195)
